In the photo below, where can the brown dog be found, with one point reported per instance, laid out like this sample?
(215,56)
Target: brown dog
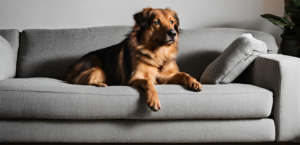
(145,58)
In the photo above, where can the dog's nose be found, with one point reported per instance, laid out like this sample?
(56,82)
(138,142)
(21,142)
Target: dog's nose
(171,33)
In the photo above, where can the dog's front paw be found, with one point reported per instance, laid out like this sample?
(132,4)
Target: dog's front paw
(195,86)
(153,103)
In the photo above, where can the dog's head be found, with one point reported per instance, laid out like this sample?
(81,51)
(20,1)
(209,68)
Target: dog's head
(160,26)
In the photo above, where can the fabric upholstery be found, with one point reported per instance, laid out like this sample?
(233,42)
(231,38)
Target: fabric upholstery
(48,53)
(281,75)
(137,131)
(46,98)
(199,47)
(12,36)
(234,60)
(7,62)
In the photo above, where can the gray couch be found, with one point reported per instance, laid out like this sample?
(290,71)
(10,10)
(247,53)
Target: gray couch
(262,105)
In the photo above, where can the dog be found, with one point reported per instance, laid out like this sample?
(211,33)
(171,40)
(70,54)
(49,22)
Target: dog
(146,57)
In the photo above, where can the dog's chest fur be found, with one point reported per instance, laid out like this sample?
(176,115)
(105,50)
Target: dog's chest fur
(156,57)
(162,62)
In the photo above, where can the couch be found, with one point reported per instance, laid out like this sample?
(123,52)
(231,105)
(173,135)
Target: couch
(262,105)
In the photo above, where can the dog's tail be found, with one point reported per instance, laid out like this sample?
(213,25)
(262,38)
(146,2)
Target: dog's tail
(85,63)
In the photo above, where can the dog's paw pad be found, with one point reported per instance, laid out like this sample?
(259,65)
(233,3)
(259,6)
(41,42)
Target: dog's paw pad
(196,86)
(153,104)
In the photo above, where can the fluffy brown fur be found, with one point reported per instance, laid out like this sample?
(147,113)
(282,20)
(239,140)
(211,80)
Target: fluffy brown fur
(145,58)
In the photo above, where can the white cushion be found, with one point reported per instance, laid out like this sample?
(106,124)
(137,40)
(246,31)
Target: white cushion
(7,63)
(234,60)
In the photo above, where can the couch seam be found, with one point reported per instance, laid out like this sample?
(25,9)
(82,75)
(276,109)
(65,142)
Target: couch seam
(231,69)
(131,94)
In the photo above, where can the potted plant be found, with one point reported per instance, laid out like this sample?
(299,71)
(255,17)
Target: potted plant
(290,24)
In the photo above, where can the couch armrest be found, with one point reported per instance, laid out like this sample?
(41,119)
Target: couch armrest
(281,75)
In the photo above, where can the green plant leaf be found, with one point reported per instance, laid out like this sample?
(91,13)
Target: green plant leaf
(296,3)
(276,20)
(291,24)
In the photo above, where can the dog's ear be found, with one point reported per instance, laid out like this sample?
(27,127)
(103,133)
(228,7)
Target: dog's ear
(175,15)
(141,18)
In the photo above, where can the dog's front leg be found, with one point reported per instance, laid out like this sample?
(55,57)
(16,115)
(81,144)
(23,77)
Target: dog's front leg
(186,80)
(147,87)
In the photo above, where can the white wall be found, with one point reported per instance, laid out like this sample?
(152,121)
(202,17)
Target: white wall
(53,14)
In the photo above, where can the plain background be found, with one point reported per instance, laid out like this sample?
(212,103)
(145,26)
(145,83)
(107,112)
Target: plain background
(57,14)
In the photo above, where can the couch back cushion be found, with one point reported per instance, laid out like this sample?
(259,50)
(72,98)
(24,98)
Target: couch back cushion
(49,53)
(12,37)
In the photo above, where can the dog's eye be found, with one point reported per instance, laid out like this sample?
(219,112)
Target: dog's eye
(171,21)
(156,22)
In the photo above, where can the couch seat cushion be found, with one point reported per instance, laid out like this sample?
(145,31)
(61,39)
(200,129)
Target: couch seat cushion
(45,98)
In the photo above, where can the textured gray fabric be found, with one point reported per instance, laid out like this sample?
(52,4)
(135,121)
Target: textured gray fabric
(199,47)
(53,99)
(48,53)
(281,75)
(7,62)
(12,36)
(234,60)
(138,131)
